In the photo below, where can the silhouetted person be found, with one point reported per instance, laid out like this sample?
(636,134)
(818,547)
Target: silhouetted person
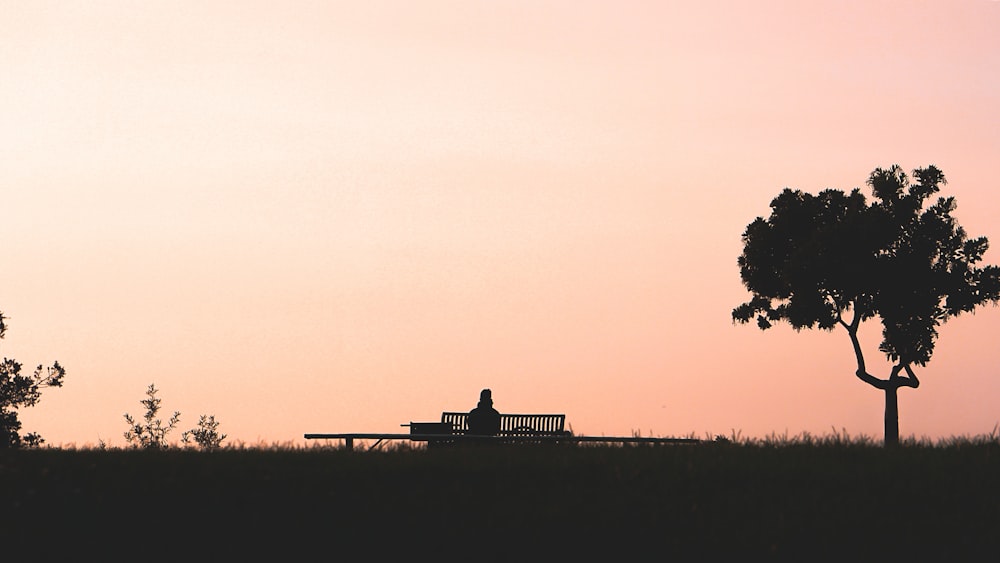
(484,420)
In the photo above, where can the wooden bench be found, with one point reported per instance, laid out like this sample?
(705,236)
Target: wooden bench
(518,428)
(513,424)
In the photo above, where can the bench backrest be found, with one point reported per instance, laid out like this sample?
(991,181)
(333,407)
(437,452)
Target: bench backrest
(513,424)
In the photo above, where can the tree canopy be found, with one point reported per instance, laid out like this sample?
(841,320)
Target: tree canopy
(819,256)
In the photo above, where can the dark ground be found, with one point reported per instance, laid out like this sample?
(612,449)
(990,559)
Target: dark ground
(695,503)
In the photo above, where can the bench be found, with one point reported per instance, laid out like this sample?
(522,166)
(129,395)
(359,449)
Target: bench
(519,427)
(513,424)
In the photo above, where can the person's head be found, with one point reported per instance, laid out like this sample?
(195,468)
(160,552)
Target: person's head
(486,397)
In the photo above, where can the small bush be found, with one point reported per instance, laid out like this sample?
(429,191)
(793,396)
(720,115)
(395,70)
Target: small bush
(206,435)
(151,433)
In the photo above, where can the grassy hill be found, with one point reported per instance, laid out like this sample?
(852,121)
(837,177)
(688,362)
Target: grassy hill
(779,501)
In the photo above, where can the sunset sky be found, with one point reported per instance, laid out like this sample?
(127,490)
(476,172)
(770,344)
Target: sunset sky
(343,216)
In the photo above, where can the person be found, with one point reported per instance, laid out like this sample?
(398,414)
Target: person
(484,420)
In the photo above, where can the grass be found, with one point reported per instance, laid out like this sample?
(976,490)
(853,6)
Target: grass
(777,498)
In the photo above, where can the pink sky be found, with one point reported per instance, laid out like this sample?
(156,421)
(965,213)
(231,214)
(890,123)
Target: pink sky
(340,217)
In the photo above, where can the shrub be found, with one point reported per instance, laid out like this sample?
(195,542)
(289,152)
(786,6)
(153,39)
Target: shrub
(206,435)
(151,433)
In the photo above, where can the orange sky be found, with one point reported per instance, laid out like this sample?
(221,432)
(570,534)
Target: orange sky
(333,217)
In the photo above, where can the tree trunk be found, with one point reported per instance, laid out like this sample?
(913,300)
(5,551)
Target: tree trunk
(891,416)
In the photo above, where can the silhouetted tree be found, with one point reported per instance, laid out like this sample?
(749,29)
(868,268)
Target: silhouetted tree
(818,258)
(18,391)
(151,433)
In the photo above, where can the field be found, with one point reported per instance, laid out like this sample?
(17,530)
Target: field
(794,500)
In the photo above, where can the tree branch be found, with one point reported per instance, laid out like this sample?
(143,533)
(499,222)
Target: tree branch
(863,375)
(909,381)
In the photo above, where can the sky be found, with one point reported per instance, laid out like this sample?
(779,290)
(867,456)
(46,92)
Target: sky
(322,217)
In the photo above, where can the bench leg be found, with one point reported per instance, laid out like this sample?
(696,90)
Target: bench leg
(349,443)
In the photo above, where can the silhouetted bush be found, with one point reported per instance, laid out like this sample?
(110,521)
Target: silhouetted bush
(151,433)
(206,435)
